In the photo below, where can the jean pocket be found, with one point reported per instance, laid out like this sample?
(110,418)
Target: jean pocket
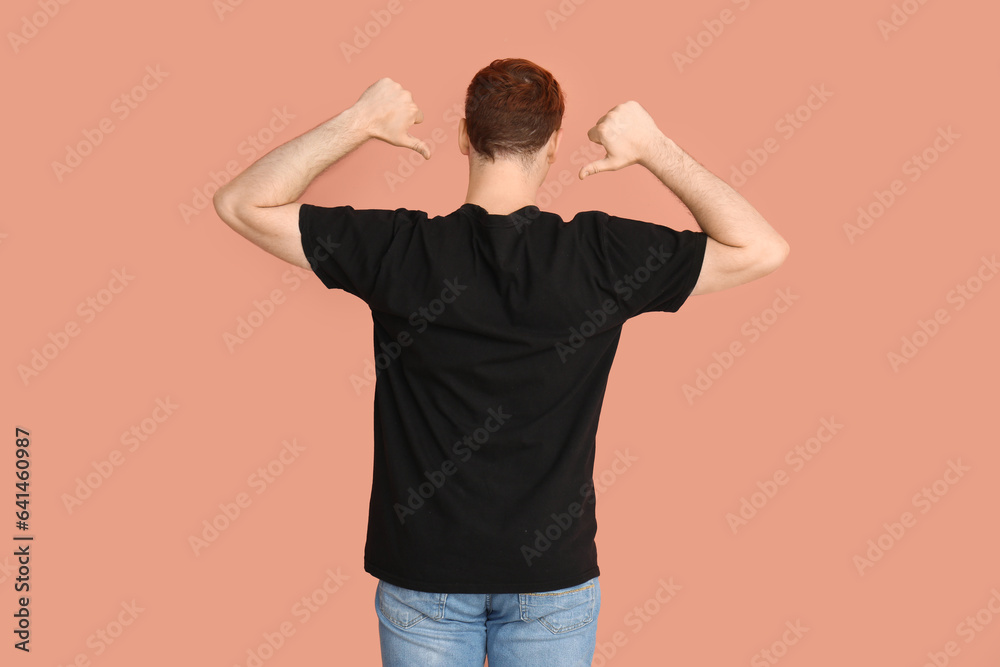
(404,608)
(562,610)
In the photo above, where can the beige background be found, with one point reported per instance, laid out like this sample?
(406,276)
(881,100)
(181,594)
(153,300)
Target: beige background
(231,72)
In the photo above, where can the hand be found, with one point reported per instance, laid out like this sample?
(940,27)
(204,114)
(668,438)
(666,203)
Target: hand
(386,111)
(627,133)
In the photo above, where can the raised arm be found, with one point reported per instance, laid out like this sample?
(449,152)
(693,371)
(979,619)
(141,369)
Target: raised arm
(741,247)
(260,203)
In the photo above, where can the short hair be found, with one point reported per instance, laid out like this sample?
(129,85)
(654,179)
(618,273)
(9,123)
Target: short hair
(512,107)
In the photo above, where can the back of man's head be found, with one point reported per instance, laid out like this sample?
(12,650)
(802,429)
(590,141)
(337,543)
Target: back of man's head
(512,107)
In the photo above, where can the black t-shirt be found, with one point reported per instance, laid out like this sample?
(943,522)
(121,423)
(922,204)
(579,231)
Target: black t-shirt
(493,339)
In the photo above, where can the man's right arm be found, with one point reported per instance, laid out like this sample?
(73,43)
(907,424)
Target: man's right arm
(741,247)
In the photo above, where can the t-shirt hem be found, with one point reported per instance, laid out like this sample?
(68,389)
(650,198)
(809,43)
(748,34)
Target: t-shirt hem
(692,276)
(309,244)
(496,588)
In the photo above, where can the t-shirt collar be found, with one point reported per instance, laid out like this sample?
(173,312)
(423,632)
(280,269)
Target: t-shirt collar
(529,212)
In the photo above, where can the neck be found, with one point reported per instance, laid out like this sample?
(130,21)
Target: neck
(502,187)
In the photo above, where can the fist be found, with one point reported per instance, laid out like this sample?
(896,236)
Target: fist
(627,132)
(387,112)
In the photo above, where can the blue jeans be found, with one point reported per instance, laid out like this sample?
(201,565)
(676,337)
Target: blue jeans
(551,629)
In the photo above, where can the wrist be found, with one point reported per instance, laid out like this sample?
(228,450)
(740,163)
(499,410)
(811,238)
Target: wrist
(353,123)
(660,151)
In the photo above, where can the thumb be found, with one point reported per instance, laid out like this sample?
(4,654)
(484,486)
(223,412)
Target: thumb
(605,164)
(418,145)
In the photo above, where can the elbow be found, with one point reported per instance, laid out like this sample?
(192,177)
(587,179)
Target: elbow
(219,200)
(782,251)
(774,256)
(224,206)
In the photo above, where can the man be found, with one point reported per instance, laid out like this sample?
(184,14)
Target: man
(495,327)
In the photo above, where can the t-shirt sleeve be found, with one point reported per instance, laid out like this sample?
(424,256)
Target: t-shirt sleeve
(653,267)
(345,247)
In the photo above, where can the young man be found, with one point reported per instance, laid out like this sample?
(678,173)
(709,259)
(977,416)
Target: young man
(495,330)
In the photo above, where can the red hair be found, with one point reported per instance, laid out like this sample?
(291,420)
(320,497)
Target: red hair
(512,107)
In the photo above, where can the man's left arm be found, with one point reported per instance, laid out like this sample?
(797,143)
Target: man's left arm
(261,203)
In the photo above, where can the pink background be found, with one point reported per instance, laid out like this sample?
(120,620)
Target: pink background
(162,335)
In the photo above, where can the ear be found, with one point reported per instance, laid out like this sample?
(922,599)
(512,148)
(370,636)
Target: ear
(554,145)
(463,137)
